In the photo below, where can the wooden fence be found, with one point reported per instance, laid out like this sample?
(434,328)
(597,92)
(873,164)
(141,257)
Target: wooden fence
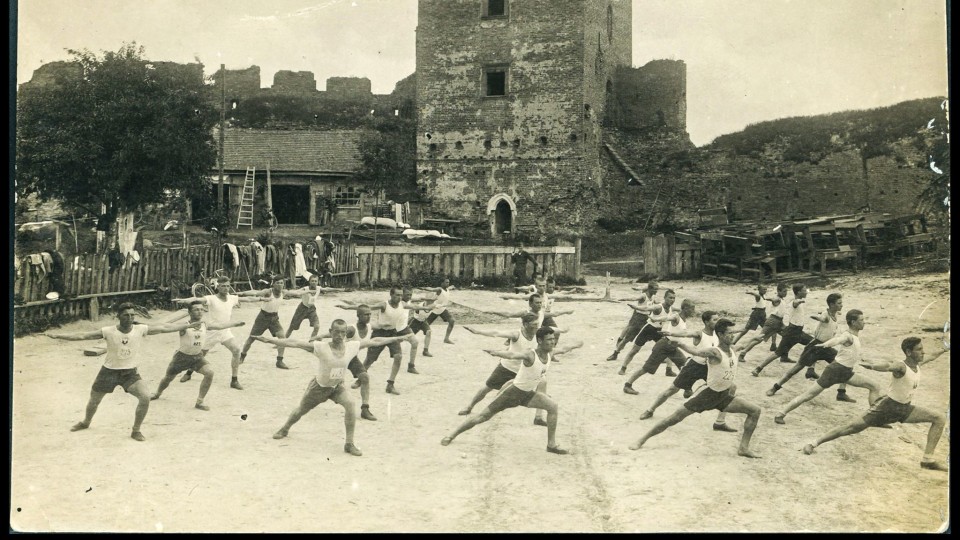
(395,263)
(664,257)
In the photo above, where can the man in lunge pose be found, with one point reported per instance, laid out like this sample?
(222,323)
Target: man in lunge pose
(849,354)
(637,319)
(524,389)
(307,308)
(759,312)
(826,329)
(664,349)
(793,333)
(220,307)
(695,369)
(650,331)
(440,304)
(190,354)
(358,332)
(535,306)
(268,318)
(336,357)
(718,393)
(771,326)
(124,342)
(896,405)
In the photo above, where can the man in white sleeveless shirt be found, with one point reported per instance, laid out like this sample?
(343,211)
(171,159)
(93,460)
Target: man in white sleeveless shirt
(814,351)
(525,388)
(335,358)
(793,333)
(638,318)
(440,304)
(771,326)
(360,331)
(759,312)
(124,342)
(268,318)
(307,308)
(719,392)
(190,354)
(896,406)
(849,354)
(651,330)
(664,349)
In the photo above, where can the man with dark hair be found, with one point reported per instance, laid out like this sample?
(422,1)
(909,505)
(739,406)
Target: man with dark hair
(849,354)
(358,332)
(896,405)
(268,318)
(525,389)
(651,330)
(124,342)
(307,308)
(336,357)
(439,307)
(190,354)
(773,325)
(793,332)
(638,318)
(758,314)
(664,349)
(719,392)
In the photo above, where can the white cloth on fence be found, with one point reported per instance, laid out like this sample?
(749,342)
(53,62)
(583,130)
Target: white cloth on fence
(299,265)
(260,256)
(236,256)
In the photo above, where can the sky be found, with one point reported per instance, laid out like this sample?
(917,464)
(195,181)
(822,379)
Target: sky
(747,60)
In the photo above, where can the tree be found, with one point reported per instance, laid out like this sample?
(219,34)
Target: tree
(125,133)
(389,158)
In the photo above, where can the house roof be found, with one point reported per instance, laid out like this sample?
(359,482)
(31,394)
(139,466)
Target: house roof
(292,151)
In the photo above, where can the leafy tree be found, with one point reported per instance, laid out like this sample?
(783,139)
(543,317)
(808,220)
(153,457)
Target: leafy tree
(124,134)
(389,157)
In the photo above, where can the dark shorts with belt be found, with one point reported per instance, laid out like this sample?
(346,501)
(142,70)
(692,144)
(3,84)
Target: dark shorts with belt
(304,312)
(374,352)
(636,323)
(648,333)
(792,335)
(663,350)
(267,321)
(707,399)
(757,316)
(813,352)
(834,374)
(108,379)
(316,394)
(691,373)
(416,325)
(887,411)
(183,362)
(510,397)
(445,315)
(499,377)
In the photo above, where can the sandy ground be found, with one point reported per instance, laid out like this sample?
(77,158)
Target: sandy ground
(221,470)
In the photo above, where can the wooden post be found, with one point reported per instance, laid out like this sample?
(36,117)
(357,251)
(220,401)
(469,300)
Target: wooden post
(576,259)
(606,293)
(56,240)
(94,309)
(269,190)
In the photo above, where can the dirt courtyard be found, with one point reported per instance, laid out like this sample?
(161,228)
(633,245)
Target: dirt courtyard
(220,471)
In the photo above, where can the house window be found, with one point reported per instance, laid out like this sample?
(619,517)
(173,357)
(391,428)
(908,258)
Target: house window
(494,8)
(495,81)
(347,196)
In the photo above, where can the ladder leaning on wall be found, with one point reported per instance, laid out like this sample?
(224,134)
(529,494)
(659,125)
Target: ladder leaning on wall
(245,215)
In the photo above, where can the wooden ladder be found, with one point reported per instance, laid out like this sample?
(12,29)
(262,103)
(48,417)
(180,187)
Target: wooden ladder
(245,216)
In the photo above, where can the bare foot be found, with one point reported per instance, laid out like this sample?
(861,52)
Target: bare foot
(79,425)
(448,341)
(137,436)
(155,397)
(280,434)
(464,412)
(635,446)
(201,406)
(446,441)
(748,453)
(808,449)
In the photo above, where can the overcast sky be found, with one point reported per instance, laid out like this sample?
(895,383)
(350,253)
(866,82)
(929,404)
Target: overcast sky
(747,60)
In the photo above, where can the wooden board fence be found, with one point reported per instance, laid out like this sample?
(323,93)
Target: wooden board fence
(664,257)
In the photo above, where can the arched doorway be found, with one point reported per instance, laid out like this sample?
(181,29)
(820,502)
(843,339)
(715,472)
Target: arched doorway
(502,218)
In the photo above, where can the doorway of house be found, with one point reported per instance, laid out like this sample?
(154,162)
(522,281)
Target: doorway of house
(503,218)
(291,204)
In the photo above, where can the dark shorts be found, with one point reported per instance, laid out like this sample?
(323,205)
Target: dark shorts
(416,325)
(637,322)
(834,374)
(661,351)
(510,397)
(267,321)
(304,312)
(887,411)
(648,333)
(813,352)
(108,379)
(356,368)
(707,399)
(691,373)
(316,394)
(757,316)
(445,315)
(374,352)
(792,335)
(772,325)
(499,377)
(184,362)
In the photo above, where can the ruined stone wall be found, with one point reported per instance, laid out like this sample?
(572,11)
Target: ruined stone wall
(650,97)
(348,88)
(54,73)
(240,83)
(294,82)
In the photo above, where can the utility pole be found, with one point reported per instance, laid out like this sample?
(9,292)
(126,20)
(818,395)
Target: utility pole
(223,104)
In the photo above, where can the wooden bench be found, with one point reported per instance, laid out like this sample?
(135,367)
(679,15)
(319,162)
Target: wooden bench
(844,253)
(355,273)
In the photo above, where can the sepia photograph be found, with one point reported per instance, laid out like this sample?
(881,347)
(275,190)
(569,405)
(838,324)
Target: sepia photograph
(688,263)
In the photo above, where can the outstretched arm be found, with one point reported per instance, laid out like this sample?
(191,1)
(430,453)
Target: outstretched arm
(934,357)
(754,295)
(167,328)
(253,292)
(703,352)
(76,336)
(511,355)
(559,312)
(567,348)
(221,326)
(381,341)
(897,368)
(842,339)
(509,314)
(512,334)
(688,333)
(286,342)
(823,317)
(190,300)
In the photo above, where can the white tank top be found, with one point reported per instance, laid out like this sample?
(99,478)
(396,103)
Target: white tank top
(902,389)
(849,355)
(191,340)
(422,314)
(273,304)
(825,330)
(123,349)
(720,375)
(442,301)
(528,378)
(522,344)
(394,318)
(706,341)
(795,315)
(761,303)
(308,299)
(333,368)
(680,326)
(782,309)
(219,311)
(356,333)
(547,302)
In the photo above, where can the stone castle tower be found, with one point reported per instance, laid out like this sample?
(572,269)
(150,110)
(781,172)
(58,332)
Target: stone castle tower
(512,99)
